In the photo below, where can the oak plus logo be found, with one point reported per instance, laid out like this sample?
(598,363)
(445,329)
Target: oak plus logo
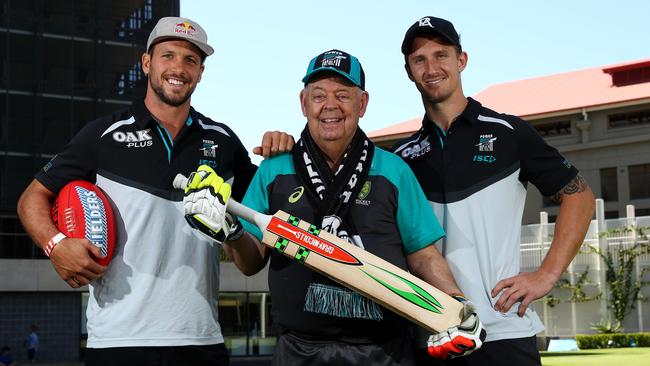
(141,138)
(416,150)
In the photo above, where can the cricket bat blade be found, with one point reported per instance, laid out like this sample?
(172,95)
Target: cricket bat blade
(352,266)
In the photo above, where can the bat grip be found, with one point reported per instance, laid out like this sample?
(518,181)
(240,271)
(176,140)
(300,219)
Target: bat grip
(241,211)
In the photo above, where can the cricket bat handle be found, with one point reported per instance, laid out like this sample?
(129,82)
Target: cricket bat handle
(259,219)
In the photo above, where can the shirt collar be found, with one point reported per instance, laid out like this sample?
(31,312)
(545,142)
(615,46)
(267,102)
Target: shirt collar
(143,116)
(468,115)
(471,112)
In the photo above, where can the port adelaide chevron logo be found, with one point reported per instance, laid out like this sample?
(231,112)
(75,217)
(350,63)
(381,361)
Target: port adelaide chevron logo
(486,143)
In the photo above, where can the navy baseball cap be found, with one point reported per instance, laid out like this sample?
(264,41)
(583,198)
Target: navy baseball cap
(339,62)
(430,25)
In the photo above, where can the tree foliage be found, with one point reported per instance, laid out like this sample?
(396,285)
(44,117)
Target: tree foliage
(623,287)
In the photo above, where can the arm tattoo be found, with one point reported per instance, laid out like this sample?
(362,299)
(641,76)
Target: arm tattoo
(576,185)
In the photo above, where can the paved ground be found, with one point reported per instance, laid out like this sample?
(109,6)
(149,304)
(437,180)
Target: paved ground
(234,361)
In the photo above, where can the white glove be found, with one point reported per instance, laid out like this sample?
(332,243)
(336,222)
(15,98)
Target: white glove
(460,340)
(204,204)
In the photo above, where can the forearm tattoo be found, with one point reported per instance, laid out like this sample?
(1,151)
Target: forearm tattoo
(576,185)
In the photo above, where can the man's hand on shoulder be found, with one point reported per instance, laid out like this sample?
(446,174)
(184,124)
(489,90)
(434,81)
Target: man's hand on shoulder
(274,143)
(460,340)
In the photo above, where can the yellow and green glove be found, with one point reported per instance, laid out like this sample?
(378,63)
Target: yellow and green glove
(204,205)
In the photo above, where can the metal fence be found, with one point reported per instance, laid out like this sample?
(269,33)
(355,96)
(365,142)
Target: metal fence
(564,316)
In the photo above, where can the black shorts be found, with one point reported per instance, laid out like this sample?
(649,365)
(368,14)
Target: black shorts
(296,351)
(215,354)
(31,353)
(505,352)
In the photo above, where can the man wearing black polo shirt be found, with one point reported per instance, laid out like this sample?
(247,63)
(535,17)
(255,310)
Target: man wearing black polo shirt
(473,165)
(155,304)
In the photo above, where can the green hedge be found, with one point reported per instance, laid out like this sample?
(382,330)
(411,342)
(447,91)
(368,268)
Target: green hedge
(590,341)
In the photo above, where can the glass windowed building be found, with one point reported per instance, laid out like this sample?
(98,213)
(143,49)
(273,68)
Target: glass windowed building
(64,63)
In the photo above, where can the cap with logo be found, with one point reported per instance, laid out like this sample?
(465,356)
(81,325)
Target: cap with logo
(339,62)
(180,28)
(430,25)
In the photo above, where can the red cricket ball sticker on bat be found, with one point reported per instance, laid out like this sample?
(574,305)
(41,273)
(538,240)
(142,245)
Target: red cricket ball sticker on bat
(312,242)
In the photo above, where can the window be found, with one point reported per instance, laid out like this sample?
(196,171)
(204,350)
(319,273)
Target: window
(635,75)
(639,181)
(608,184)
(246,323)
(629,119)
(550,129)
(14,242)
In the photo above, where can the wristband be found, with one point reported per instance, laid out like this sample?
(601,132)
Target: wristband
(52,243)
(238,230)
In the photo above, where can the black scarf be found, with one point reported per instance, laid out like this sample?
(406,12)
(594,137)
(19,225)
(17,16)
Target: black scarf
(336,192)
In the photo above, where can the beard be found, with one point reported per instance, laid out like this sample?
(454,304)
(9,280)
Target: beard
(173,101)
(430,98)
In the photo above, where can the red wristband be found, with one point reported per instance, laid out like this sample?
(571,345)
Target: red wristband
(52,243)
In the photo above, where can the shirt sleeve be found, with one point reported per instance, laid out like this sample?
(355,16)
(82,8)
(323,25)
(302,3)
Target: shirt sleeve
(417,223)
(76,162)
(256,197)
(542,164)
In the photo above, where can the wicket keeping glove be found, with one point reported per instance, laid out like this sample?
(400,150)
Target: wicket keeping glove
(204,204)
(460,340)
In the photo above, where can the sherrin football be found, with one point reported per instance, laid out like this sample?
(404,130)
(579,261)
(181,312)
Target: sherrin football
(81,210)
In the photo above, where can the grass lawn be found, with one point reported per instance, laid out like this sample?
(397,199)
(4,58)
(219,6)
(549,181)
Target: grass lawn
(599,357)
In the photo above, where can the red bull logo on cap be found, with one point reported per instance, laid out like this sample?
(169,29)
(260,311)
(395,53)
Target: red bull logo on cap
(185,28)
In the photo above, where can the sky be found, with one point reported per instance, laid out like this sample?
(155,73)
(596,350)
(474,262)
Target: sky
(262,49)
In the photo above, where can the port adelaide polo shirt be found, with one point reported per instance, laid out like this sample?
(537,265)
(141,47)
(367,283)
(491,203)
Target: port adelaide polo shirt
(131,147)
(161,268)
(475,177)
(480,148)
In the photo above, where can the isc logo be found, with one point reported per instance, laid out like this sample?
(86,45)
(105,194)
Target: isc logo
(484,158)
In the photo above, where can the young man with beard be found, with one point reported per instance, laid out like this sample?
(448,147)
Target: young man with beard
(155,304)
(319,321)
(473,165)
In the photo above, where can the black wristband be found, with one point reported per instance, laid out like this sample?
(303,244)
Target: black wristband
(237,229)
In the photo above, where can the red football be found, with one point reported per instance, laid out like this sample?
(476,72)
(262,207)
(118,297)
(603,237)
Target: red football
(81,210)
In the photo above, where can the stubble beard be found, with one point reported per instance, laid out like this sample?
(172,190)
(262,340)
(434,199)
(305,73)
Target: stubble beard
(174,102)
(429,98)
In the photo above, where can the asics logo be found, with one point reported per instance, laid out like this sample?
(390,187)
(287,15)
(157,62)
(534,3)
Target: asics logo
(297,193)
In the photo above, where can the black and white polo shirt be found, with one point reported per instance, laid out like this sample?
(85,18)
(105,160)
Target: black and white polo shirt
(162,285)
(475,177)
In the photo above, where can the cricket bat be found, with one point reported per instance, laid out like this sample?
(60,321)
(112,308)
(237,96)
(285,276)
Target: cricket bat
(351,266)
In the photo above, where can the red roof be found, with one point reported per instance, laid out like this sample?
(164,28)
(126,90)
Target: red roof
(554,94)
